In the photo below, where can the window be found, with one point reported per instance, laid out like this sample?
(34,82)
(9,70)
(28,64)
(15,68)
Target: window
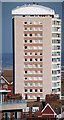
(56,35)
(35,90)
(25,28)
(23,15)
(25,22)
(35,53)
(30,84)
(30,34)
(30,22)
(25,53)
(31,96)
(36,65)
(25,59)
(30,65)
(40,28)
(35,78)
(32,15)
(54,84)
(55,47)
(41,41)
(56,22)
(54,66)
(25,84)
(5,86)
(25,41)
(36,22)
(40,22)
(40,34)
(58,71)
(56,90)
(40,65)
(40,78)
(25,71)
(30,41)
(1,81)
(40,59)
(30,78)
(25,34)
(35,59)
(58,65)
(30,47)
(54,78)
(26,65)
(36,84)
(30,53)
(36,28)
(30,59)
(35,34)
(58,59)
(30,28)
(40,90)
(40,47)
(40,71)
(54,53)
(35,71)
(30,90)
(25,90)
(25,78)
(25,47)
(54,59)
(30,72)
(54,72)
(56,41)
(40,84)
(35,47)
(36,41)
(40,53)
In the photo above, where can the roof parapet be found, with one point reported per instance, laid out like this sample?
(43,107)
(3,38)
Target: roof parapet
(32,9)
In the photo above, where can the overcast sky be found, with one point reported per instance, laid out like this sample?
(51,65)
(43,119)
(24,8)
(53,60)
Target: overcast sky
(7,20)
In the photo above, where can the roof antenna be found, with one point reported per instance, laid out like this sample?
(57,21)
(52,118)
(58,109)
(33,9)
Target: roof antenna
(37,3)
(34,3)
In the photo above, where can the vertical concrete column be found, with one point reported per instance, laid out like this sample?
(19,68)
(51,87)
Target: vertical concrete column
(1,98)
(11,115)
(1,115)
(22,115)
(30,114)
(18,114)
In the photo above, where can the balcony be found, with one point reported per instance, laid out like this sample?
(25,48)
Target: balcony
(13,105)
(9,101)
(13,102)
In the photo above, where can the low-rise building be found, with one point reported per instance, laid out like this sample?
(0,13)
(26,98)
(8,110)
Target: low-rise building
(10,108)
(5,84)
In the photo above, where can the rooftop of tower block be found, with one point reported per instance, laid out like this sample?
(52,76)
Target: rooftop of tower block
(32,9)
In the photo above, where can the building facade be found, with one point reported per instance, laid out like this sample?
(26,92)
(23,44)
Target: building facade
(37,51)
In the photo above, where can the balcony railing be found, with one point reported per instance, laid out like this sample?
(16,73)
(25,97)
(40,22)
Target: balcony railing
(13,102)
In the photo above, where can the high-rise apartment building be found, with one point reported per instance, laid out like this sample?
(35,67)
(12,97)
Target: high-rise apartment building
(37,51)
